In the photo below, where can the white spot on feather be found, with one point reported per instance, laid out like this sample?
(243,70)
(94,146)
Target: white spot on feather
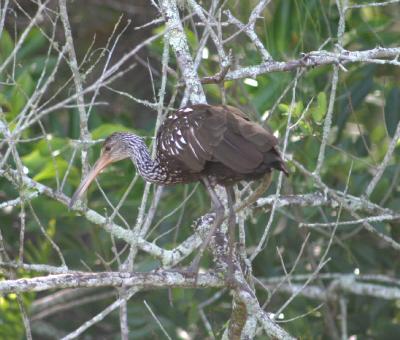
(182,140)
(195,138)
(179,147)
(194,151)
(188,109)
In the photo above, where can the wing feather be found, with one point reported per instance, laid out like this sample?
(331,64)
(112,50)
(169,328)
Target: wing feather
(195,132)
(237,153)
(195,135)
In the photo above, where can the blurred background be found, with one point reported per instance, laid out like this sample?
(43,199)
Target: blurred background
(366,113)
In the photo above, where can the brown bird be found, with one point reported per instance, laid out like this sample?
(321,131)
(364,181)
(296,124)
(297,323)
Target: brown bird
(214,144)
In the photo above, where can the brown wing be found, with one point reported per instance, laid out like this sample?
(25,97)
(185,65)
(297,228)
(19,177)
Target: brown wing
(194,135)
(188,137)
(246,147)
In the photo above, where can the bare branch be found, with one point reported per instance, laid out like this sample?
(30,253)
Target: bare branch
(180,46)
(155,279)
(377,55)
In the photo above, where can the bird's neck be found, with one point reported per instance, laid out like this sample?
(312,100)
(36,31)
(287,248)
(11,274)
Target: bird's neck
(149,169)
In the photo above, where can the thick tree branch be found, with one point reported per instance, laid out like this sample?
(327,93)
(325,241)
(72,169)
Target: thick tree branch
(379,55)
(180,46)
(157,279)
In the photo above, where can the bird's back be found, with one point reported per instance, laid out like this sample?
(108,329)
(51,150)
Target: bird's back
(215,141)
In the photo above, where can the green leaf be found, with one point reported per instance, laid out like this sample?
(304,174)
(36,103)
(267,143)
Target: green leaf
(283,108)
(34,160)
(39,63)
(392,112)
(21,92)
(319,112)
(49,170)
(45,147)
(305,128)
(4,103)
(34,41)
(191,38)
(298,109)
(6,45)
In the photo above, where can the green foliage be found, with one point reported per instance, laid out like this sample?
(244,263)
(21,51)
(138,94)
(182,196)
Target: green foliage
(392,113)
(318,113)
(10,318)
(14,98)
(6,46)
(366,113)
(21,92)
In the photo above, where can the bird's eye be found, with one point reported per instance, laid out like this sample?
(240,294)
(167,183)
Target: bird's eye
(107,148)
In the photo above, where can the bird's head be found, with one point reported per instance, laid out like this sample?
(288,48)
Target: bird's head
(116,147)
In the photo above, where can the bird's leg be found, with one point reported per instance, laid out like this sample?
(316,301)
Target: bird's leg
(219,217)
(231,228)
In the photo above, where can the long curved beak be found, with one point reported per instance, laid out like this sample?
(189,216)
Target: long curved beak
(101,163)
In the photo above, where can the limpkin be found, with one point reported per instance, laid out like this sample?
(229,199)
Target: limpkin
(214,144)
